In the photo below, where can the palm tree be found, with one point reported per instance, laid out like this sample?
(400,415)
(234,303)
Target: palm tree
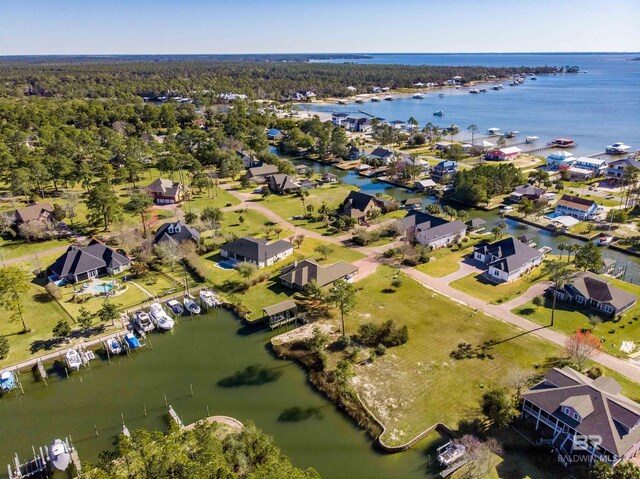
(562,247)
(473,128)
(303,194)
(559,274)
(497,232)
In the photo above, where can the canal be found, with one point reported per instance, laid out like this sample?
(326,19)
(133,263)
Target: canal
(198,352)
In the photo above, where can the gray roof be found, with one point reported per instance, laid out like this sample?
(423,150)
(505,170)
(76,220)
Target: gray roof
(257,249)
(381,153)
(280,307)
(433,227)
(175,233)
(529,190)
(476,222)
(282,183)
(95,255)
(592,286)
(262,170)
(357,202)
(511,254)
(306,271)
(604,412)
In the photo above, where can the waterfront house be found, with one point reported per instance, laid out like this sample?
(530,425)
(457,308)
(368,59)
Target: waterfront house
(91,261)
(579,208)
(507,260)
(363,125)
(38,212)
(361,206)
(476,225)
(274,134)
(503,154)
(338,118)
(608,266)
(283,184)
(354,153)
(329,178)
(248,160)
(583,419)
(443,172)
(615,170)
(529,192)
(301,273)
(257,251)
(559,159)
(176,233)
(432,231)
(398,124)
(589,290)
(166,192)
(382,155)
(412,203)
(424,185)
(408,160)
(260,173)
(301,169)
(584,168)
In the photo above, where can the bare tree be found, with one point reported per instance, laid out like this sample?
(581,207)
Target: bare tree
(169,252)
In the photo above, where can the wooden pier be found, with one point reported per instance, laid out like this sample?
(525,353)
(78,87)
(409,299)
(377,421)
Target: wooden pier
(174,417)
(450,470)
(39,466)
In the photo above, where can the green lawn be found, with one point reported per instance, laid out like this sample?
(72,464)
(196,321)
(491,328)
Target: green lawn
(16,248)
(476,285)
(419,383)
(568,318)
(445,261)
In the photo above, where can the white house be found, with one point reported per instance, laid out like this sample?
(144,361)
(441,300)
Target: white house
(559,158)
(507,259)
(575,207)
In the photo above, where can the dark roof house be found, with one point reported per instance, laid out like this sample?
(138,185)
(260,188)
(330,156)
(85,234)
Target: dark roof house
(585,419)
(588,289)
(507,259)
(359,205)
(282,184)
(301,273)
(256,251)
(165,191)
(430,230)
(82,263)
(530,192)
(382,154)
(261,172)
(176,233)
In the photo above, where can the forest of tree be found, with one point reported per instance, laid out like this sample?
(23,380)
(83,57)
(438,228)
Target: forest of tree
(483,182)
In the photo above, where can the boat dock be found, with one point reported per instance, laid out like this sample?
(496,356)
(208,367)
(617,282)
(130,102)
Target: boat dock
(450,470)
(348,165)
(39,466)
(174,417)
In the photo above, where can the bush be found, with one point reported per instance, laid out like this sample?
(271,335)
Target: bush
(343,342)
(54,291)
(4,347)
(381,349)
(396,283)
(594,372)
(387,334)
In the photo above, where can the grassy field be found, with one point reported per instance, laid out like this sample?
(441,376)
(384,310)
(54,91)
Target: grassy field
(419,383)
(476,285)
(16,248)
(569,317)
(444,261)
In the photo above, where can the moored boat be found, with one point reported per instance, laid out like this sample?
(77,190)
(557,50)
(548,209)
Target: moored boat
(209,298)
(450,453)
(388,98)
(131,341)
(175,306)
(191,305)
(474,91)
(360,100)
(7,381)
(618,148)
(418,96)
(73,359)
(142,322)
(438,113)
(160,318)
(531,139)
(375,98)
(343,102)
(59,454)
(604,240)
(114,346)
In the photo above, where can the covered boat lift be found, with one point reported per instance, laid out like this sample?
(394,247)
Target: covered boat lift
(281,313)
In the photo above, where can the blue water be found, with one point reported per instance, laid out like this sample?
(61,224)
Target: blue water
(595,109)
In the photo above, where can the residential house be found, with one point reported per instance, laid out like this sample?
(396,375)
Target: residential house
(412,203)
(559,159)
(575,207)
(283,184)
(398,124)
(349,124)
(529,192)
(432,231)
(382,155)
(329,178)
(502,154)
(301,273)
(507,259)
(166,192)
(585,168)
(583,419)
(424,185)
(443,172)
(476,225)
(354,153)
(260,173)
(363,125)
(91,261)
(38,212)
(408,160)
(590,290)
(274,134)
(338,118)
(361,206)
(176,233)
(615,170)
(248,160)
(301,169)
(257,251)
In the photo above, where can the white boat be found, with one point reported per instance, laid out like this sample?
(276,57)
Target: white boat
(618,148)
(506,208)
(73,359)
(450,453)
(191,305)
(418,96)
(388,98)
(114,346)
(7,381)
(360,100)
(209,298)
(175,306)
(343,102)
(142,322)
(511,134)
(60,456)
(531,139)
(604,240)
(375,98)
(474,91)
(159,316)
(493,131)
(438,113)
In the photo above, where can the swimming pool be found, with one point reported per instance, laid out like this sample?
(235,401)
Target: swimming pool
(100,288)
(227,264)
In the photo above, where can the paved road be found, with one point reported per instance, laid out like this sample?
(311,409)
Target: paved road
(441,285)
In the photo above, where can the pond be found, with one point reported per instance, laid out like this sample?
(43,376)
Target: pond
(217,355)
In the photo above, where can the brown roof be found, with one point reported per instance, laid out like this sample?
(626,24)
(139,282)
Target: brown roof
(575,202)
(306,271)
(280,307)
(32,212)
(166,187)
(592,286)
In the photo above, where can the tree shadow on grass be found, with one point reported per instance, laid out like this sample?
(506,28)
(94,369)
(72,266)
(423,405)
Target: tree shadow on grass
(45,344)
(254,375)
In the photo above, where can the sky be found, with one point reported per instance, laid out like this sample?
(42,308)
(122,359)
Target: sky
(36,27)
